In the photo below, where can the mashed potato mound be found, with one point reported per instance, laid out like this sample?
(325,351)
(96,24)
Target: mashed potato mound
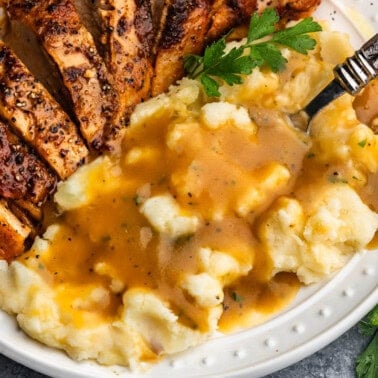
(148,252)
(313,240)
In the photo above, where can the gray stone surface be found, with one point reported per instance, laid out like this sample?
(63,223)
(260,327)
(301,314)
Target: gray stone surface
(335,361)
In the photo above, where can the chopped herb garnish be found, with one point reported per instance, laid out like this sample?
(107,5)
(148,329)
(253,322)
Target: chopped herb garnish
(236,297)
(310,155)
(367,361)
(106,238)
(137,200)
(217,63)
(335,180)
(232,182)
(362,143)
(369,324)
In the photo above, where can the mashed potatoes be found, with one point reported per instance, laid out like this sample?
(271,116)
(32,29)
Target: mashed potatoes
(207,221)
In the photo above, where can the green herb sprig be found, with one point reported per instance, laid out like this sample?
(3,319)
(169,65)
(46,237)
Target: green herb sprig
(218,64)
(367,361)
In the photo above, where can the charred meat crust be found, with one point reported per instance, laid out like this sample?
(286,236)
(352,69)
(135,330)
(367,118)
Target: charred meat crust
(186,27)
(128,39)
(88,16)
(23,175)
(71,47)
(144,26)
(156,8)
(26,46)
(183,31)
(37,118)
(178,13)
(102,92)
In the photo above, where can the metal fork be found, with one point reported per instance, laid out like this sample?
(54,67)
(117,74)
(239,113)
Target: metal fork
(350,77)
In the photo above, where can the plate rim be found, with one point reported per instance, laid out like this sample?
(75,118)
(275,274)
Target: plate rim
(260,369)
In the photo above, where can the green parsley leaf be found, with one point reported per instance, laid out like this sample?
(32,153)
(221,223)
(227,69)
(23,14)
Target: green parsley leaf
(270,55)
(231,67)
(191,62)
(228,68)
(261,26)
(367,361)
(369,324)
(373,316)
(296,38)
(214,53)
(211,86)
(219,65)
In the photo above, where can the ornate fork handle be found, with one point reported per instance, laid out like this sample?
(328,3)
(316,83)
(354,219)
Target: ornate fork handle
(351,76)
(356,72)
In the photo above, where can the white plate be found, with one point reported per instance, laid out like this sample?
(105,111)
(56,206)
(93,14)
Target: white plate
(319,314)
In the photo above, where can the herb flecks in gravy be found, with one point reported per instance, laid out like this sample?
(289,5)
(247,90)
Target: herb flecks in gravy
(211,218)
(207,171)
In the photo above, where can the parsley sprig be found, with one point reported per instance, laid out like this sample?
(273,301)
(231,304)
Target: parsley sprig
(367,361)
(261,48)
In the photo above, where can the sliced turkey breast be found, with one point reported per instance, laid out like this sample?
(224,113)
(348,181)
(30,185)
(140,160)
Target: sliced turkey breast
(71,46)
(31,111)
(128,39)
(182,31)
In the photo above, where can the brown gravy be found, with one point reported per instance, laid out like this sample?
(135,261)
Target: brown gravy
(366,105)
(111,229)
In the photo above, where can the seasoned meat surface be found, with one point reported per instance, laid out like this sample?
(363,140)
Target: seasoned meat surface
(13,233)
(23,175)
(226,14)
(157,8)
(128,38)
(27,214)
(142,44)
(182,31)
(186,26)
(295,9)
(28,209)
(37,117)
(71,47)
(87,10)
(25,44)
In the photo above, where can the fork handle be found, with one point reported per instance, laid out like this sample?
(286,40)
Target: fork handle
(350,76)
(357,71)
